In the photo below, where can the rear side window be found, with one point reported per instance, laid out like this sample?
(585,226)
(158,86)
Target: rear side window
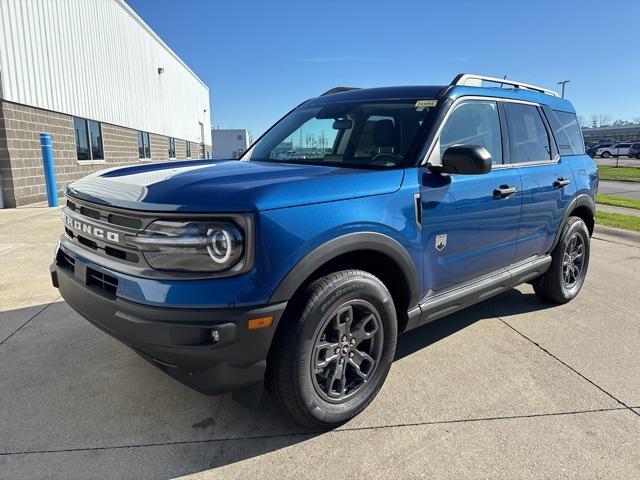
(474,122)
(567,132)
(528,135)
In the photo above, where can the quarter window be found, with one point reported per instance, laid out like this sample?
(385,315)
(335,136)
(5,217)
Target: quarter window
(88,135)
(474,123)
(144,148)
(528,135)
(172,147)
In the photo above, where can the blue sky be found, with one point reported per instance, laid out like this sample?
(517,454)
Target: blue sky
(261,58)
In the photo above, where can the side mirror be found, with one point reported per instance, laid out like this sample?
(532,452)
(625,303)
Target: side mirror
(465,160)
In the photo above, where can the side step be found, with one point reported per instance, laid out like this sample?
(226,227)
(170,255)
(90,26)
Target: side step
(442,304)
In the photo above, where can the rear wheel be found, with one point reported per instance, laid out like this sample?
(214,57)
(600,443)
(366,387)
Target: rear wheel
(570,260)
(334,350)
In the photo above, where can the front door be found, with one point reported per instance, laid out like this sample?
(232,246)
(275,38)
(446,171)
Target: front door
(470,222)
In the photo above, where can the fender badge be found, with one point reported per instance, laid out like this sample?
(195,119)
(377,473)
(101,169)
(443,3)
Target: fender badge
(441,242)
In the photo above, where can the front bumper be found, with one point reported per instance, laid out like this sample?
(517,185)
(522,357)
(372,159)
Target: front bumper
(177,340)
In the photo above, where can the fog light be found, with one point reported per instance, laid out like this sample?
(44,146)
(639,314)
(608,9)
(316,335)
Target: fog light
(215,336)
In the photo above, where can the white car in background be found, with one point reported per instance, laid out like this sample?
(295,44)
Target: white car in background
(615,150)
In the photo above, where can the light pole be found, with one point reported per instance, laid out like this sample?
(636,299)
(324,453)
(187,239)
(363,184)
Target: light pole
(563,83)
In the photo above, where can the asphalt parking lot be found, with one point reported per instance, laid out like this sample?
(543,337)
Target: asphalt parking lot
(512,388)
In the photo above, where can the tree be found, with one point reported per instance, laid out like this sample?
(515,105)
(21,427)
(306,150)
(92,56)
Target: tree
(636,120)
(593,120)
(582,121)
(603,119)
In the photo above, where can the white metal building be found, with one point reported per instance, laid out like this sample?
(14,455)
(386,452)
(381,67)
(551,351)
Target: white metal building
(229,143)
(94,75)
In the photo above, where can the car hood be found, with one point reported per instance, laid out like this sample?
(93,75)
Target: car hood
(229,185)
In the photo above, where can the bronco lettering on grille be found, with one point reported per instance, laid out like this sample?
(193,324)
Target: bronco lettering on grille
(91,230)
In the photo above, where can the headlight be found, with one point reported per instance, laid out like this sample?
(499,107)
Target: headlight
(192,246)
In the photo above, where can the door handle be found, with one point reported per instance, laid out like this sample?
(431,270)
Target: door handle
(561,182)
(504,191)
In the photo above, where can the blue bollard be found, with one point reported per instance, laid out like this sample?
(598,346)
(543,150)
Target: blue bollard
(49,172)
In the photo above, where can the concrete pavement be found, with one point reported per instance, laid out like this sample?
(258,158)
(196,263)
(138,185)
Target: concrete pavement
(511,388)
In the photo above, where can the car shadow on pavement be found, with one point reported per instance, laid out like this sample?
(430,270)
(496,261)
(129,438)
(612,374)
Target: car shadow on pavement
(71,388)
(509,303)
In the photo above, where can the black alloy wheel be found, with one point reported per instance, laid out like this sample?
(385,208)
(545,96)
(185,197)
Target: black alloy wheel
(347,350)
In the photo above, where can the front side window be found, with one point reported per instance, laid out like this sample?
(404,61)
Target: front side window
(358,134)
(474,122)
(172,147)
(88,135)
(528,135)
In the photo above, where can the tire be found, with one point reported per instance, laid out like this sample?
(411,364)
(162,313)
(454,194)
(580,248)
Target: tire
(605,155)
(310,394)
(561,283)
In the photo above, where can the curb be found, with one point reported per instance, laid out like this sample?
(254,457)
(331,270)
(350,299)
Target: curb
(617,232)
(626,180)
(631,212)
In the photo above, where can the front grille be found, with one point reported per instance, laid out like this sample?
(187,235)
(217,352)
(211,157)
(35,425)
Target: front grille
(87,243)
(65,261)
(102,283)
(97,213)
(105,219)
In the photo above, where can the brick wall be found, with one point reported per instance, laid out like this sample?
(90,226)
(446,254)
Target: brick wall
(159,147)
(120,144)
(23,126)
(6,178)
(181,148)
(21,171)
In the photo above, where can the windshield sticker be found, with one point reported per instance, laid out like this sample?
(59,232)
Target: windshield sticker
(422,104)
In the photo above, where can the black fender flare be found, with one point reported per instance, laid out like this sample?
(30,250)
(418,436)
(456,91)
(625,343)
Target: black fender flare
(582,200)
(338,246)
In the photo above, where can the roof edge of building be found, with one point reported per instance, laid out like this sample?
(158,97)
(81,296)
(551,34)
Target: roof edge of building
(157,38)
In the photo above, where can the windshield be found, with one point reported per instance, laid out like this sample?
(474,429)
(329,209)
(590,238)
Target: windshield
(373,134)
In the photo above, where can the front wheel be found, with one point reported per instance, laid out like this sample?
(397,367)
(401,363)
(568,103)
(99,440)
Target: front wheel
(570,260)
(334,351)
(606,154)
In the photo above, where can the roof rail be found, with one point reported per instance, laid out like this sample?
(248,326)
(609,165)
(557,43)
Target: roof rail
(471,80)
(338,90)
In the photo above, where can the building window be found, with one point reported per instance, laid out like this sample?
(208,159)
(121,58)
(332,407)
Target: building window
(239,137)
(188,149)
(82,138)
(144,147)
(172,147)
(88,139)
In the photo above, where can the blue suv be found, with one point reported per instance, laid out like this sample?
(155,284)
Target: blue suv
(360,215)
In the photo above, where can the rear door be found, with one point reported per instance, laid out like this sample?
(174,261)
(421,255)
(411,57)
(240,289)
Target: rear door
(470,222)
(623,149)
(547,179)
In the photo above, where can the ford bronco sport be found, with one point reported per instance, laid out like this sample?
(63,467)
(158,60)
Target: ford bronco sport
(360,215)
